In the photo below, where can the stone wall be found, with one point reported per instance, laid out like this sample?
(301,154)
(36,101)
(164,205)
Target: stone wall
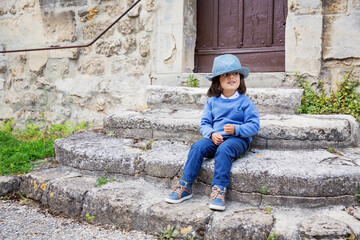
(322,39)
(74,84)
(153,44)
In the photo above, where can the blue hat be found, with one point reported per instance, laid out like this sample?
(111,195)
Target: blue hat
(227,63)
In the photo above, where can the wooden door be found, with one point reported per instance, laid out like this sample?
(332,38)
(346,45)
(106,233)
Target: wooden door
(253,30)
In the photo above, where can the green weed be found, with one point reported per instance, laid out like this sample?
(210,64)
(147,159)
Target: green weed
(267,209)
(192,237)
(333,150)
(111,134)
(358,195)
(264,190)
(192,81)
(167,234)
(89,217)
(345,100)
(272,236)
(148,145)
(103,181)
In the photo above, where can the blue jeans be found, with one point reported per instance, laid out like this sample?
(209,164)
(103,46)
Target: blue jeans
(223,154)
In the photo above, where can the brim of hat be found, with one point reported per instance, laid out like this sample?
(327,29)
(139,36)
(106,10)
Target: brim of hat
(244,71)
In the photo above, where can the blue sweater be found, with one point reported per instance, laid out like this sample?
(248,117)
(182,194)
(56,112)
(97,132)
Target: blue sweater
(239,111)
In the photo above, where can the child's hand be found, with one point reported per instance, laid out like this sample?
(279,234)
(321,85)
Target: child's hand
(229,129)
(217,138)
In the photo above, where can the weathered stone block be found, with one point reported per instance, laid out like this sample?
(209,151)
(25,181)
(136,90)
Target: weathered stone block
(26,6)
(37,60)
(3,7)
(6,112)
(114,10)
(243,224)
(2,11)
(12,9)
(93,66)
(335,6)
(9,184)
(144,47)
(64,53)
(20,83)
(342,37)
(115,206)
(126,26)
(187,218)
(94,28)
(306,202)
(146,23)
(29,99)
(165,159)
(303,44)
(72,3)
(48,3)
(35,184)
(150,5)
(55,70)
(89,151)
(17,64)
(302,174)
(60,26)
(11,98)
(32,30)
(135,12)
(109,48)
(320,227)
(67,195)
(306,7)
(62,3)
(130,44)
(137,67)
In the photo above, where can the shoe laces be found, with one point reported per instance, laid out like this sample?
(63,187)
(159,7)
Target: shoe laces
(216,192)
(179,188)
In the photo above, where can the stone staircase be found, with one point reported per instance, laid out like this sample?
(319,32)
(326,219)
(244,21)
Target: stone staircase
(287,183)
(175,113)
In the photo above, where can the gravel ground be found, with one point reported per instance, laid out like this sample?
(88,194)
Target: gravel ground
(28,221)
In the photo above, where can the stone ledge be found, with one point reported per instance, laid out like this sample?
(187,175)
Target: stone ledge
(267,100)
(293,176)
(276,132)
(138,204)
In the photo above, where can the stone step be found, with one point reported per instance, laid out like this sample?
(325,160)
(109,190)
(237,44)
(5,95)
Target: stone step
(267,100)
(308,179)
(276,132)
(136,203)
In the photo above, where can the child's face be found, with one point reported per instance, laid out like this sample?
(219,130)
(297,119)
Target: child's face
(230,82)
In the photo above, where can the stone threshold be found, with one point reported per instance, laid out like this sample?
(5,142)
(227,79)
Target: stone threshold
(255,79)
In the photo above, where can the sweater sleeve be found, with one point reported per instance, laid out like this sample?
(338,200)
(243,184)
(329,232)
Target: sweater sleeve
(251,122)
(206,125)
